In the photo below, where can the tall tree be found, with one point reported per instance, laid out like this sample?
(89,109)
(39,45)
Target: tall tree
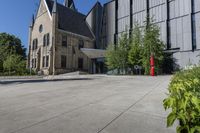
(112,57)
(135,53)
(117,55)
(9,45)
(12,45)
(152,46)
(3,56)
(123,50)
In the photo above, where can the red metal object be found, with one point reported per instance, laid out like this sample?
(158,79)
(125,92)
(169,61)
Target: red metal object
(152,71)
(152,63)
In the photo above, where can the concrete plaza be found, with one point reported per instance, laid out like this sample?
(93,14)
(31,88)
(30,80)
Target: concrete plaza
(86,104)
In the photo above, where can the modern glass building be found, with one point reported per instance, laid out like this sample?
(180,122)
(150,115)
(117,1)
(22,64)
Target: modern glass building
(179,22)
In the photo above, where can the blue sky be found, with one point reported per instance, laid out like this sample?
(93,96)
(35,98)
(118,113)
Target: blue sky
(16,15)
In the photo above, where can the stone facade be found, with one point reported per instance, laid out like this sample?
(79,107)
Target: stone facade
(71,50)
(52,50)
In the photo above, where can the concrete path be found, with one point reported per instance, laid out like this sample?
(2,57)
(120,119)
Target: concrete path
(90,104)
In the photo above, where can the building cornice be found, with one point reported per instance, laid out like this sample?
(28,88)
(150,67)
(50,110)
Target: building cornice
(81,36)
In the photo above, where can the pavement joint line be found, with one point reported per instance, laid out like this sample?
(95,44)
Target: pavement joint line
(153,88)
(153,115)
(69,111)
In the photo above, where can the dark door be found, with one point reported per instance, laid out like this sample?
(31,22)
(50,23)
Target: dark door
(80,63)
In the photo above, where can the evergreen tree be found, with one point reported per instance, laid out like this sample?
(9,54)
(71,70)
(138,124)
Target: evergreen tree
(123,51)
(135,53)
(117,55)
(137,50)
(112,57)
(152,46)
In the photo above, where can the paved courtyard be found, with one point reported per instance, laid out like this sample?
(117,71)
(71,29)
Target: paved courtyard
(87,104)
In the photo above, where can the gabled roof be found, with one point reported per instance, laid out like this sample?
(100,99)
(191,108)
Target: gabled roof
(95,5)
(70,4)
(70,20)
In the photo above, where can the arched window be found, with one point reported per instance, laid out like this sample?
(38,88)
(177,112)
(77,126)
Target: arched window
(41,28)
(44,40)
(48,39)
(35,44)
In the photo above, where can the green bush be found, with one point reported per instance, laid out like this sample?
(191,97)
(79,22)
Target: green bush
(14,65)
(184,101)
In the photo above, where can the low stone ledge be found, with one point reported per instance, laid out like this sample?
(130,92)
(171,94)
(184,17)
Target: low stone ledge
(21,77)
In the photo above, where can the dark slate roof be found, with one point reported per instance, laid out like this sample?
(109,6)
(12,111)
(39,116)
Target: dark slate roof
(50,5)
(70,20)
(70,4)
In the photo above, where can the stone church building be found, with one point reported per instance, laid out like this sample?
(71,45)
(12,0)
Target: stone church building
(57,35)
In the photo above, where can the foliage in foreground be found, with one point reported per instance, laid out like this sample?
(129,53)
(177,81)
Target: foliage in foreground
(184,100)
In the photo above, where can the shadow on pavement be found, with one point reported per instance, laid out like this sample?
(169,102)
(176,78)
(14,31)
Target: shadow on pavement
(39,80)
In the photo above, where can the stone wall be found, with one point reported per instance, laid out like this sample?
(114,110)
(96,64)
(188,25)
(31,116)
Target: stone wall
(72,52)
(43,18)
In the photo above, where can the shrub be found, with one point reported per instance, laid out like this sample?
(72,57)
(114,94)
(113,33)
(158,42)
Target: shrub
(15,65)
(184,100)
(117,55)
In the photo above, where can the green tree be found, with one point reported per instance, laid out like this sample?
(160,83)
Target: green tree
(112,57)
(123,51)
(152,45)
(117,55)
(4,54)
(12,45)
(135,53)
(9,45)
(14,64)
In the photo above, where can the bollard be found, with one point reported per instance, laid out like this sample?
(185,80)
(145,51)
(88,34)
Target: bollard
(152,69)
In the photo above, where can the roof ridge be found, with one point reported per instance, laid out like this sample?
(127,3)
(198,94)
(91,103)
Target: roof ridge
(70,9)
(97,3)
(71,21)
